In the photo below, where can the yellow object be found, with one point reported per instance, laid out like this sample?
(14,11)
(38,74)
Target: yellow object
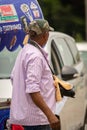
(58,93)
(25,41)
(64,84)
(57,89)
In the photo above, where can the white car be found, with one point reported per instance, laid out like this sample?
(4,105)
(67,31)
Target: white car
(82,47)
(65,61)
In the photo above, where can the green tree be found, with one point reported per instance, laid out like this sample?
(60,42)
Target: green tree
(66,16)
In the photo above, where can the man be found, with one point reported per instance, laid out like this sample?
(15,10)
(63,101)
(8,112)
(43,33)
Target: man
(33,98)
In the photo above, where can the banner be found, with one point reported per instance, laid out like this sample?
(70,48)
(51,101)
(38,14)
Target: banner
(4,115)
(11,28)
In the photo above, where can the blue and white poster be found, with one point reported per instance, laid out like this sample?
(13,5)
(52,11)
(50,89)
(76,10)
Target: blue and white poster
(11,28)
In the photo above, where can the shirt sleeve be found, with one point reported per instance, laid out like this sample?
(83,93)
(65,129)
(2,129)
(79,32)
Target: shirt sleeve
(33,74)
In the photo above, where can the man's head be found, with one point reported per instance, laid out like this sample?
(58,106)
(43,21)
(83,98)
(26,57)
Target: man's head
(39,30)
(39,26)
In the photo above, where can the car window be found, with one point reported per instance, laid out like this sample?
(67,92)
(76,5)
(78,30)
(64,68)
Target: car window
(75,51)
(7,60)
(64,51)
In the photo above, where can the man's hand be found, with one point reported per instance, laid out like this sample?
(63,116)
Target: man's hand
(54,123)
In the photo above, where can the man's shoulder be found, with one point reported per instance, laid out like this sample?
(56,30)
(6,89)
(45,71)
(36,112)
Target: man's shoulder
(31,50)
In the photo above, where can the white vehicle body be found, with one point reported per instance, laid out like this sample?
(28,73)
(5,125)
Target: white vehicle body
(82,47)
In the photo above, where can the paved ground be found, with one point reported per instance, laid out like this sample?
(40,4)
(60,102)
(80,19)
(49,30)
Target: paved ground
(72,117)
(86,127)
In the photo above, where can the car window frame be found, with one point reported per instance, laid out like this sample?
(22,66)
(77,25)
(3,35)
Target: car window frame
(55,59)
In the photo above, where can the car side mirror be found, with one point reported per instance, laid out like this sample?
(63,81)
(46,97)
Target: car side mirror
(68,73)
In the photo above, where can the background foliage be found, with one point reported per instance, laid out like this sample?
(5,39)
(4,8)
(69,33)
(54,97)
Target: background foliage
(66,16)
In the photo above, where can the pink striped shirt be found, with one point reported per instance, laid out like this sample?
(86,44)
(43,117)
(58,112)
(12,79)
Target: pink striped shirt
(31,74)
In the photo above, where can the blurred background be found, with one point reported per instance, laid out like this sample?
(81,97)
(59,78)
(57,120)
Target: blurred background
(67,16)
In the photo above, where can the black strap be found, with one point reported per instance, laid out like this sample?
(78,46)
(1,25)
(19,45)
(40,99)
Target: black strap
(37,46)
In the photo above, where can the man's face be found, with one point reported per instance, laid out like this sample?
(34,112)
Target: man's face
(45,38)
(46,35)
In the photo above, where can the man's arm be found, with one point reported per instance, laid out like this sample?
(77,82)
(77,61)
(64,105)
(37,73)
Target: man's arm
(53,120)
